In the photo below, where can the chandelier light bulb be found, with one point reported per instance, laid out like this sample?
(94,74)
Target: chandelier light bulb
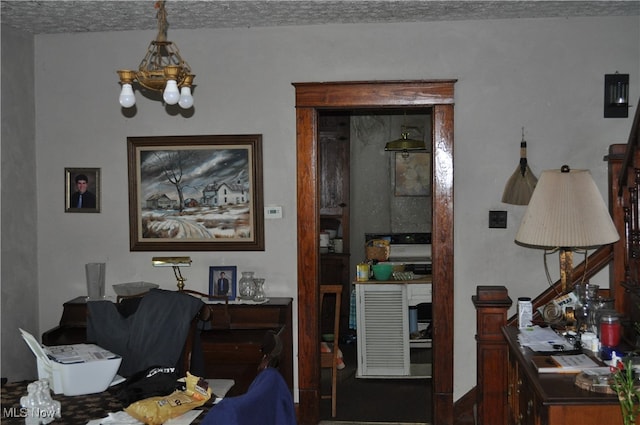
(171,93)
(127,97)
(186,100)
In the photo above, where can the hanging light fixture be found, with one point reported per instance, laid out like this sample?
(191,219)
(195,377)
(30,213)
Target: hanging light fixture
(162,70)
(404,144)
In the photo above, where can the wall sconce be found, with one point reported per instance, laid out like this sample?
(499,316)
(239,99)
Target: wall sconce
(566,213)
(616,95)
(176,263)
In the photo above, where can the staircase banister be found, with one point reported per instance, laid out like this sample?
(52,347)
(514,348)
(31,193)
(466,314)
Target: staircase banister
(632,146)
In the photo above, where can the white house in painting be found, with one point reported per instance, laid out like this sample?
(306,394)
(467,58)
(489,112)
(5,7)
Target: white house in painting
(161,201)
(215,194)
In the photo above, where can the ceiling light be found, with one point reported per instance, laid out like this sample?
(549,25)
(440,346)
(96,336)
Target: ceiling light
(404,144)
(162,70)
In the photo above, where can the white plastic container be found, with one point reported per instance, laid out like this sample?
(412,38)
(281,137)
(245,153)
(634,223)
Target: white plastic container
(75,369)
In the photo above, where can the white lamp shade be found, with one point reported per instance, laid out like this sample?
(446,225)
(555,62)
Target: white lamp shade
(127,97)
(566,210)
(171,94)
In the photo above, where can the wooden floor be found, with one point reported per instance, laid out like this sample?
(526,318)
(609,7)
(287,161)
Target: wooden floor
(376,401)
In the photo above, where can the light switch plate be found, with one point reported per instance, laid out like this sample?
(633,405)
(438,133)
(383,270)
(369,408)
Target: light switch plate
(497,219)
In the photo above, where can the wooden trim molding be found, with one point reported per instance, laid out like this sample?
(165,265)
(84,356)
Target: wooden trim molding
(312,97)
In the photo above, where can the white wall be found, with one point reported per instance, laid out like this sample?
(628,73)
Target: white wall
(544,74)
(18,277)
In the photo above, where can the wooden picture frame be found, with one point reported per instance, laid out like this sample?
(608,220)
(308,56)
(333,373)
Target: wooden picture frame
(230,273)
(87,181)
(413,174)
(196,193)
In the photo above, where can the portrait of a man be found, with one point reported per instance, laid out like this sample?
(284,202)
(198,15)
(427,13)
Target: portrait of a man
(82,190)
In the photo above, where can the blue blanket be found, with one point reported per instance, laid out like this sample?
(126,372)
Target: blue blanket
(266,402)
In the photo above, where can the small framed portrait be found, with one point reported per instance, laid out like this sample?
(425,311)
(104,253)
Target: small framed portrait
(222,281)
(82,190)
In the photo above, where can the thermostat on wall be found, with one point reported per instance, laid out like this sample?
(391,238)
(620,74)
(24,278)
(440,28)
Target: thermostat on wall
(273,211)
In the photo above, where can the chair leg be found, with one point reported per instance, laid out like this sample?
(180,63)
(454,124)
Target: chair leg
(334,388)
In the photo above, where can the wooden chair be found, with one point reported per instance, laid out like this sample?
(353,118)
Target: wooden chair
(330,360)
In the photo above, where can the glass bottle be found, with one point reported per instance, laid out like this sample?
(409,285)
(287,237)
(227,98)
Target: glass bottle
(586,308)
(246,286)
(259,289)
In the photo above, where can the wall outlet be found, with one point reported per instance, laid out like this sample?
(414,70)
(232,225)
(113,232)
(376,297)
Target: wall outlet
(497,219)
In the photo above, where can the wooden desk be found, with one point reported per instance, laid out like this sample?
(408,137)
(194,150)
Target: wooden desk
(551,399)
(231,349)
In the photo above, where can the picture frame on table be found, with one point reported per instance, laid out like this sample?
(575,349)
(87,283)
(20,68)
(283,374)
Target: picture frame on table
(223,281)
(82,190)
(196,193)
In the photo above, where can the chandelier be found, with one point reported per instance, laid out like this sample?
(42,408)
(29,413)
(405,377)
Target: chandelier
(162,70)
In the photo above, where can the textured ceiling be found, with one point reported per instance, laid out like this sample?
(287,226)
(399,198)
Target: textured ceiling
(47,17)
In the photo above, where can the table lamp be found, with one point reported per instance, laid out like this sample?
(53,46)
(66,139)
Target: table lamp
(566,213)
(176,263)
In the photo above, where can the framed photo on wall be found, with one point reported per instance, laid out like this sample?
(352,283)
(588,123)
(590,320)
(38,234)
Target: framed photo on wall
(222,281)
(196,193)
(413,174)
(82,190)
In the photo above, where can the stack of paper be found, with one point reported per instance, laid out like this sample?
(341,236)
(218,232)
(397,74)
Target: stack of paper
(542,339)
(574,363)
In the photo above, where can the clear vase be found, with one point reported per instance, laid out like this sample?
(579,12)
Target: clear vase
(247,288)
(259,290)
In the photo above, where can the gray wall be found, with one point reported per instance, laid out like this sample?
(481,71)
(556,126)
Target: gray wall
(374,206)
(19,274)
(543,74)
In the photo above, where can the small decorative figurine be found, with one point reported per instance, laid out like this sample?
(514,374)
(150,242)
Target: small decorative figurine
(40,407)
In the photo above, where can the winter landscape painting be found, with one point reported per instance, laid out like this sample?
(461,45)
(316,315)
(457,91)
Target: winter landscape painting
(196,193)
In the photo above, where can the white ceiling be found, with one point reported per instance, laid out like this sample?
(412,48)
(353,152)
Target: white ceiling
(47,17)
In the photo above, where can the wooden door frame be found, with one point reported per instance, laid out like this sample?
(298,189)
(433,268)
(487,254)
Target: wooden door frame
(310,98)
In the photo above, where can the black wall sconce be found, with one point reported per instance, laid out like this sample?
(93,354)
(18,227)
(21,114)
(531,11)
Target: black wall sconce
(616,95)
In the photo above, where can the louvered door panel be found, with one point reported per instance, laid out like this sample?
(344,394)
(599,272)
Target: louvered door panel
(383,329)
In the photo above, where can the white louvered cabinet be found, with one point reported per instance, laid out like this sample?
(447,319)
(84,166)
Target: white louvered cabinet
(382,314)
(383,326)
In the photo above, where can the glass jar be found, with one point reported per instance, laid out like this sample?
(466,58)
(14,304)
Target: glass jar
(259,289)
(246,285)
(610,328)
(586,308)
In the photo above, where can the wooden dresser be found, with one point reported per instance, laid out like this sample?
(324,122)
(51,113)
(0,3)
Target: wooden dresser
(231,349)
(551,398)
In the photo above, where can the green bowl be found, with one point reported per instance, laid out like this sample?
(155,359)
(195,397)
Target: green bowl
(382,271)
(327,337)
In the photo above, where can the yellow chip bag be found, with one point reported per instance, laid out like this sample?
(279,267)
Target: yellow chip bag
(158,410)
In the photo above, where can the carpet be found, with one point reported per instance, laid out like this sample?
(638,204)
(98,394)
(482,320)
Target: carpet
(376,400)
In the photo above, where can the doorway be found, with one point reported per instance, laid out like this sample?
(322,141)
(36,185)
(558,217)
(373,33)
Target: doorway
(312,97)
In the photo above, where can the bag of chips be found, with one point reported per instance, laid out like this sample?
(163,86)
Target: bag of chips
(158,410)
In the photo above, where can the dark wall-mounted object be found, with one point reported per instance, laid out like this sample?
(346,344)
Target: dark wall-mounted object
(616,95)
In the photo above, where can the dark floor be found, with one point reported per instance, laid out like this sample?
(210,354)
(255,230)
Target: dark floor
(377,400)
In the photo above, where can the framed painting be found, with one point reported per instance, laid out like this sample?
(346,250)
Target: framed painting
(413,174)
(222,281)
(196,193)
(82,190)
